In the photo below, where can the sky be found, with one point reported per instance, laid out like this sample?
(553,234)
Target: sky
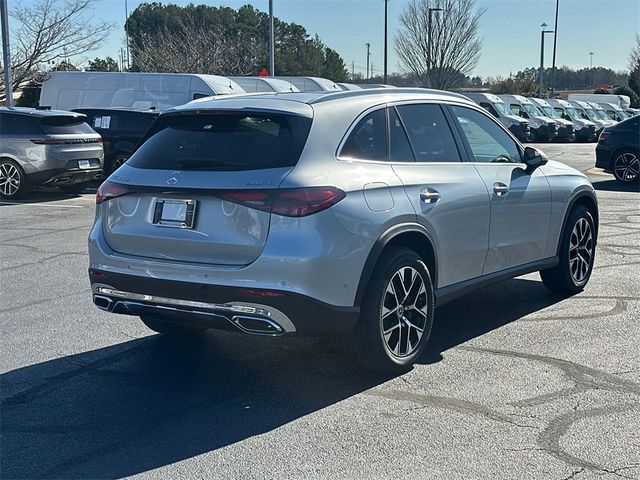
(510,30)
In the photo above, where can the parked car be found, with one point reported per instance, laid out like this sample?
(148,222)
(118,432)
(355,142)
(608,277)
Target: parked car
(46,147)
(587,113)
(618,150)
(601,113)
(352,213)
(585,129)
(565,131)
(632,112)
(348,86)
(496,107)
(614,112)
(312,84)
(543,129)
(120,129)
(134,90)
(265,84)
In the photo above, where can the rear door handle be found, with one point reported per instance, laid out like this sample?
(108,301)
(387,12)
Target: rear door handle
(500,189)
(429,195)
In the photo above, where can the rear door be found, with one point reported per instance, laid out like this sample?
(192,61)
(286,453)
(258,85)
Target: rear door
(448,195)
(220,167)
(520,202)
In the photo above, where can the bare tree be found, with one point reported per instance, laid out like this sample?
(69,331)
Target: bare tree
(634,56)
(191,47)
(454,49)
(51,31)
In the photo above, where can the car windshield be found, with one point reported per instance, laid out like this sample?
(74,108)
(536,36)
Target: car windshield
(623,114)
(582,113)
(550,112)
(573,113)
(502,108)
(602,115)
(592,114)
(532,110)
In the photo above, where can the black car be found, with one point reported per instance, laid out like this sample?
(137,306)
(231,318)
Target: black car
(618,150)
(121,129)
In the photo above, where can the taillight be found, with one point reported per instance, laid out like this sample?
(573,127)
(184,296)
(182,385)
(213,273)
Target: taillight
(48,141)
(604,136)
(109,190)
(42,141)
(291,202)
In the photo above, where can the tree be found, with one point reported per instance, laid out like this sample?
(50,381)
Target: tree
(624,90)
(65,66)
(634,67)
(522,83)
(30,96)
(454,49)
(223,41)
(102,65)
(50,31)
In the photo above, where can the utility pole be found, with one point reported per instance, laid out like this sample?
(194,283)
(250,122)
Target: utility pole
(353,69)
(6,53)
(553,66)
(431,10)
(385,40)
(590,60)
(541,77)
(126,33)
(272,68)
(368,45)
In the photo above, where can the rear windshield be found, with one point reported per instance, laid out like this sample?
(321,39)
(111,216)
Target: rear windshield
(223,141)
(61,125)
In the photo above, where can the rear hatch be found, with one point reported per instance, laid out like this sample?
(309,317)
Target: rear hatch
(199,188)
(70,141)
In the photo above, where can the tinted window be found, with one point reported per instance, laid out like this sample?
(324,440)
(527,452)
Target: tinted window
(63,125)
(368,140)
(429,133)
(399,147)
(135,122)
(488,142)
(22,124)
(515,108)
(247,141)
(489,108)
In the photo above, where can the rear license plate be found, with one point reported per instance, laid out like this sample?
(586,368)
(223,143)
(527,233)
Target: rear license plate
(84,164)
(174,213)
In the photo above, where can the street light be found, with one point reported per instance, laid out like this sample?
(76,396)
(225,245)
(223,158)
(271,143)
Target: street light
(542,56)
(385,40)
(6,55)
(368,45)
(555,38)
(590,60)
(431,10)
(272,67)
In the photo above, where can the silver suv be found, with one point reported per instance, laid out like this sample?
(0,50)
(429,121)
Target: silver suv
(351,213)
(46,147)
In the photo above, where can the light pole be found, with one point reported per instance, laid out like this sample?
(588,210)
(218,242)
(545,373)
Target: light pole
(272,67)
(385,40)
(555,38)
(6,55)
(590,60)
(542,56)
(126,33)
(431,10)
(368,45)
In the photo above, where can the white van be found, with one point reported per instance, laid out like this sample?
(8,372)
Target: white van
(495,106)
(566,131)
(585,129)
(588,113)
(543,129)
(69,90)
(621,101)
(265,84)
(614,112)
(312,84)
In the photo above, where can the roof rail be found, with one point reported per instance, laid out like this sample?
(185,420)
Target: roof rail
(386,91)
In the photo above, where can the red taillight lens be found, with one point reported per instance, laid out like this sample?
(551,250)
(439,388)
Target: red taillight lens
(604,136)
(42,141)
(48,141)
(109,190)
(291,202)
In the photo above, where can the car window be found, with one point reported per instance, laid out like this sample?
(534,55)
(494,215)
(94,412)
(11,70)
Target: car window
(399,147)
(429,133)
(488,142)
(515,108)
(489,108)
(22,124)
(368,140)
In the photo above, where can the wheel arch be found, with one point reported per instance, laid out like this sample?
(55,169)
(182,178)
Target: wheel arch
(589,201)
(619,150)
(409,235)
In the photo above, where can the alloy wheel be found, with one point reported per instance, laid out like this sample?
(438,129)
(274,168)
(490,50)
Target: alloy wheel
(117,163)
(404,312)
(626,167)
(580,250)
(9,179)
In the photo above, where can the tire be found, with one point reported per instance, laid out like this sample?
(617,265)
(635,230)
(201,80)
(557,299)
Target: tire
(117,162)
(577,254)
(13,181)
(75,188)
(395,351)
(625,166)
(170,328)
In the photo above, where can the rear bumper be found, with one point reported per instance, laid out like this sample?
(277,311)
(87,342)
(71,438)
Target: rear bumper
(65,176)
(603,158)
(263,312)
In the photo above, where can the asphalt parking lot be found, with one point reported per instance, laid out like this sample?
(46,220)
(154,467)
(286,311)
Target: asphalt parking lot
(517,383)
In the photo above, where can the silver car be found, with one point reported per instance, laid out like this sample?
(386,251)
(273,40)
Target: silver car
(351,213)
(47,147)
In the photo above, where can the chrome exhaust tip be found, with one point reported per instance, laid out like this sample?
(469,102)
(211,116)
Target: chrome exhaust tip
(257,325)
(103,303)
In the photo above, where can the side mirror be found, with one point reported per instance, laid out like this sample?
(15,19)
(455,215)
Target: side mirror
(533,158)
